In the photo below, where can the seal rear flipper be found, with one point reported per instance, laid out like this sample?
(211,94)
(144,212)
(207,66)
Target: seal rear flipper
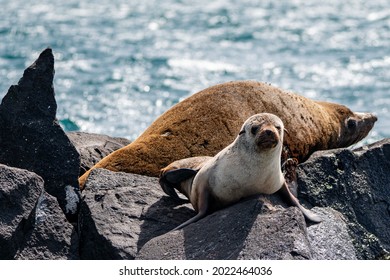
(170,190)
(169,180)
(292,200)
(176,176)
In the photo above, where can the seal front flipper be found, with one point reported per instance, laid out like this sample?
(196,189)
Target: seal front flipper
(171,180)
(203,206)
(292,200)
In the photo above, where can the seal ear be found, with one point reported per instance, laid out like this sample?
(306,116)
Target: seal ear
(241,132)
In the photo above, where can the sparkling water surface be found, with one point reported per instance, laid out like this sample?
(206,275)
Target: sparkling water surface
(122,63)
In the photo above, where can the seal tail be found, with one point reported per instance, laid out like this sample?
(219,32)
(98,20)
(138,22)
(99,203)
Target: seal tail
(289,197)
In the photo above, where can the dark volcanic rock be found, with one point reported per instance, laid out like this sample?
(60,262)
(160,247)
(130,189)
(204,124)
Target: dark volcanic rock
(19,192)
(120,212)
(123,216)
(93,147)
(220,235)
(357,184)
(31,137)
(330,240)
(276,235)
(32,225)
(247,230)
(48,235)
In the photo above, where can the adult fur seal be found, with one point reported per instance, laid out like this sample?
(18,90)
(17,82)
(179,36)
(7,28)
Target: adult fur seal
(206,122)
(248,166)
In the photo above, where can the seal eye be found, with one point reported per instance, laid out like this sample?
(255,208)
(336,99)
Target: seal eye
(351,124)
(254,129)
(278,127)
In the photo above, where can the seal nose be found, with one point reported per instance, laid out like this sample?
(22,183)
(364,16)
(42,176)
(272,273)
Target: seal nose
(374,117)
(267,138)
(268,132)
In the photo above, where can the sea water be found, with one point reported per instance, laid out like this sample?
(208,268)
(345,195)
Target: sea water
(122,63)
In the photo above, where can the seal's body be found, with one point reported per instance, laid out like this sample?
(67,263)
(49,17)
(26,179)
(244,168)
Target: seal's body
(248,166)
(206,122)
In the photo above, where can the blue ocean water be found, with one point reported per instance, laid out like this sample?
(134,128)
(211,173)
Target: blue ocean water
(120,64)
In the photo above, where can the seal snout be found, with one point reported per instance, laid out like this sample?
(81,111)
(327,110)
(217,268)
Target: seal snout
(371,117)
(267,138)
(363,122)
(367,117)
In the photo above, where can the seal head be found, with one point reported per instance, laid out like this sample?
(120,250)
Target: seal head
(351,126)
(356,127)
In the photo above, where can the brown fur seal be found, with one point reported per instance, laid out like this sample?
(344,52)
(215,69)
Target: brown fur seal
(248,166)
(206,122)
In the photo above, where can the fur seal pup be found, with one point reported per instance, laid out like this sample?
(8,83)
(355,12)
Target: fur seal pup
(250,165)
(206,122)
